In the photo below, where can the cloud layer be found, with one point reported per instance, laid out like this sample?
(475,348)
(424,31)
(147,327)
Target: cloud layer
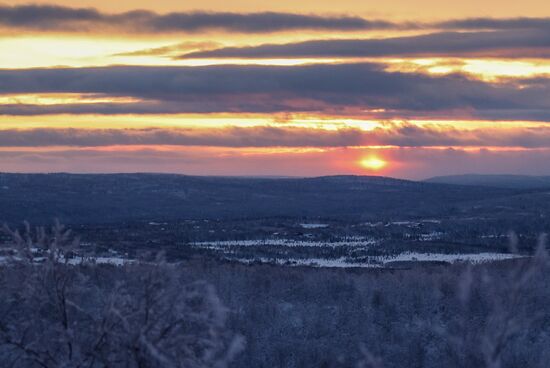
(52,18)
(266,89)
(405,135)
(532,42)
(65,19)
(338,89)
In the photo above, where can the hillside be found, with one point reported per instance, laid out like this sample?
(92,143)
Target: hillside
(497,181)
(128,197)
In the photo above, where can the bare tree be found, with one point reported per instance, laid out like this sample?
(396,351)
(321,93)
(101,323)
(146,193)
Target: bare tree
(62,310)
(368,360)
(484,342)
(492,312)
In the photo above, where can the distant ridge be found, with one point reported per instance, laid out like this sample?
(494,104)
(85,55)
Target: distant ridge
(92,198)
(497,181)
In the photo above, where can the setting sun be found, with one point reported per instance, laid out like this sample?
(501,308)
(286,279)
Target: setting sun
(373,163)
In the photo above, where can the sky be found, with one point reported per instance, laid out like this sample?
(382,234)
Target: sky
(401,88)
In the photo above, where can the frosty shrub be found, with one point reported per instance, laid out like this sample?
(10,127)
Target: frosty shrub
(61,310)
(507,299)
(497,312)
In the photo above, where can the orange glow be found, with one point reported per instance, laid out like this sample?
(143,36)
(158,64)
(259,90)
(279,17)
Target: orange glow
(373,163)
(278,129)
(223,120)
(62,98)
(488,69)
(31,51)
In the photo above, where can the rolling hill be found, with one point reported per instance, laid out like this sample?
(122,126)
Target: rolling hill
(91,198)
(497,181)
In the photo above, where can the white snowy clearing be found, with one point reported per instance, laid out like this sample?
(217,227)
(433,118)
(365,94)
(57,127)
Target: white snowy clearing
(351,242)
(381,261)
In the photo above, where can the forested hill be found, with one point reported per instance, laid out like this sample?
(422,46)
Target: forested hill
(87,198)
(497,181)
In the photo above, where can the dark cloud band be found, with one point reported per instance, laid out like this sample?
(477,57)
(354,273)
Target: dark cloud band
(406,135)
(266,89)
(51,18)
(485,43)
(57,18)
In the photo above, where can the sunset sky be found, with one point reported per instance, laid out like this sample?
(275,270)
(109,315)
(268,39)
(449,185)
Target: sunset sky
(399,88)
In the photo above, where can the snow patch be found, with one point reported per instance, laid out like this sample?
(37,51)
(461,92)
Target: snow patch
(352,242)
(381,261)
(314,226)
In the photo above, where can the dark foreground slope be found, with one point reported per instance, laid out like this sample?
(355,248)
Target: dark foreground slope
(136,197)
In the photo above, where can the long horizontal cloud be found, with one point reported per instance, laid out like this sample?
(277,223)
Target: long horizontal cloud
(53,18)
(495,23)
(322,88)
(222,137)
(487,43)
(58,18)
(173,50)
(407,135)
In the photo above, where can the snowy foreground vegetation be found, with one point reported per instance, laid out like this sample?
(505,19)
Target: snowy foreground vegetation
(59,313)
(60,310)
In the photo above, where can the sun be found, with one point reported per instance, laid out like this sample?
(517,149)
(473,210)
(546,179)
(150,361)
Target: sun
(373,163)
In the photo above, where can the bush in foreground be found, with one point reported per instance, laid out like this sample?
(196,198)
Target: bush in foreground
(59,310)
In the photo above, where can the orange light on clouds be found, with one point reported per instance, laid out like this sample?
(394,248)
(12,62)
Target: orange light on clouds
(46,99)
(373,163)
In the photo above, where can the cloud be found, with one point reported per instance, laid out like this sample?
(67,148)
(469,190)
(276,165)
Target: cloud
(485,43)
(223,137)
(172,51)
(338,89)
(402,135)
(51,18)
(495,23)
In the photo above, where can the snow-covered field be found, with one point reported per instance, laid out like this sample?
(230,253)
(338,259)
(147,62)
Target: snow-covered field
(382,261)
(313,226)
(448,258)
(311,262)
(350,252)
(351,242)
(115,259)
